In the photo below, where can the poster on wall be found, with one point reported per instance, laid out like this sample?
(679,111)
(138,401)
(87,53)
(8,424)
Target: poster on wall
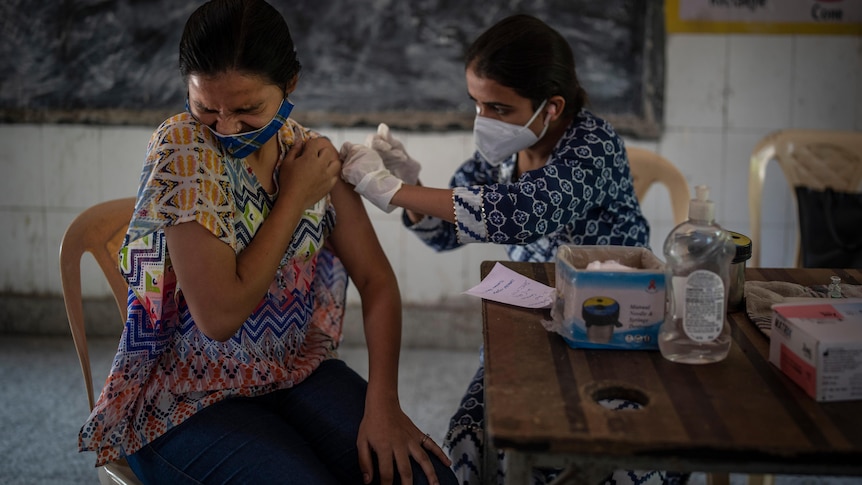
(825,17)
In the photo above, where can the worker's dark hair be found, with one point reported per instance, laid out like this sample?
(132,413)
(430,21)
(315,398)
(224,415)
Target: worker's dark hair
(525,54)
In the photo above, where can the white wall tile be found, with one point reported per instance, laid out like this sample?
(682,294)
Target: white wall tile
(121,157)
(474,254)
(734,200)
(24,265)
(759,80)
(391,237)
(695,85)
(440,154)
(23,162)
(71,166)
(433,276)
(699,156)
(827,80)
(55,226)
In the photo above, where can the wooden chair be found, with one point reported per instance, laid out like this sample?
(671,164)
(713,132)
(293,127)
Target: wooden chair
(647,168)
(810,158)
(98,230)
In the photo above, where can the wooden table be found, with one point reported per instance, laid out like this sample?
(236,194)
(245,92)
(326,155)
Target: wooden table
(738,415)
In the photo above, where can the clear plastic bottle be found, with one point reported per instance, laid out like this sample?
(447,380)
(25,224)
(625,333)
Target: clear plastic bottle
(698,254)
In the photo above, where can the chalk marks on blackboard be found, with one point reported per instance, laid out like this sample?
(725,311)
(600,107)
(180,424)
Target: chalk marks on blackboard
(364,61)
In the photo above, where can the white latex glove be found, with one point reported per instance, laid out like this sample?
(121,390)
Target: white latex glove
(395,158)
(363,168)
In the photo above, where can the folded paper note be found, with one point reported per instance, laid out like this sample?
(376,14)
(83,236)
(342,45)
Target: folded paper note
(506,286)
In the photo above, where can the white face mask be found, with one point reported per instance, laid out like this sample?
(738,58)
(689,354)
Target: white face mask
(497,140)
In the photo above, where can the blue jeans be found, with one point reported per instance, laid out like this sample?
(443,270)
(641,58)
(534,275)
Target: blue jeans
(303,435)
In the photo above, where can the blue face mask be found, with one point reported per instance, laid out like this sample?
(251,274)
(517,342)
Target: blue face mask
(242,145)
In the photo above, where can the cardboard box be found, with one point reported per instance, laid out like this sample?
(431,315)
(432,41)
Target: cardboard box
(609,309)
(818,344)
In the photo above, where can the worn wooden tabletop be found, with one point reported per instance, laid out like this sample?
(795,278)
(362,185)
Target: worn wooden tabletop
(741,414)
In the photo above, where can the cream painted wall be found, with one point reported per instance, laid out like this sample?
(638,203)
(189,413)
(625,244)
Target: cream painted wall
(723,93)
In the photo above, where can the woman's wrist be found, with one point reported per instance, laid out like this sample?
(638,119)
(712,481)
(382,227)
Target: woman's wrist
(414,217)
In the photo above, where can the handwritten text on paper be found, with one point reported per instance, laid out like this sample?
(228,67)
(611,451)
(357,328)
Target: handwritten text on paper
(506,286)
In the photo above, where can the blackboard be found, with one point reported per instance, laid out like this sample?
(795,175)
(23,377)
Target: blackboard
(364,61)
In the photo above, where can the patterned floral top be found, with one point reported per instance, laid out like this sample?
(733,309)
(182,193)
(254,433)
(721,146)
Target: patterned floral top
(166,369)
(584,195)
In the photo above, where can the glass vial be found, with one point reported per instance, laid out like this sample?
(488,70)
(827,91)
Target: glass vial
(698,254)
(835,287)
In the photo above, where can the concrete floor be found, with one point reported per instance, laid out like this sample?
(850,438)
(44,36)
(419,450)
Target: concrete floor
(43,404)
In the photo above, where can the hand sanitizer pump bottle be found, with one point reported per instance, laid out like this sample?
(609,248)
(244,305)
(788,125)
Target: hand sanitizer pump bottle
(698,254)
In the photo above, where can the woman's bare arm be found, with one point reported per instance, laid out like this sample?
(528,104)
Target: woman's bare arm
(385,430)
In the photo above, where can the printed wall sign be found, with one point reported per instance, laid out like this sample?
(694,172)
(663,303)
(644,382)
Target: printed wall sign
(835,17)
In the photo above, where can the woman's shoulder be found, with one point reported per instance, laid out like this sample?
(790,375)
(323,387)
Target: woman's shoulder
(293,131)
(177,121)
(586,122)
(588,137)
(179,137)
(587,129)
(182,129)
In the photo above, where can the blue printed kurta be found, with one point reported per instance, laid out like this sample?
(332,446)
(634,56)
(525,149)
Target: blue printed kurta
(583,195)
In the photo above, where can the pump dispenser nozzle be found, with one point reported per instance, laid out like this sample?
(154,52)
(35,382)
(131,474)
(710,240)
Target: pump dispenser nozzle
(701,208)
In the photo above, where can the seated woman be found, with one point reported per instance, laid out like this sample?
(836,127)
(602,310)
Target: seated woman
(237,258)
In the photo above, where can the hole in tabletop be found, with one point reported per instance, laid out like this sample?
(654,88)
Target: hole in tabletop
(620,398)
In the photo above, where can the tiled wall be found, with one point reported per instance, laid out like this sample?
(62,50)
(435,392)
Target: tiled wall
(723,93)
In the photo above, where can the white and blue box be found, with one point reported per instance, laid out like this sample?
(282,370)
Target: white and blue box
(609,308)
(818,344)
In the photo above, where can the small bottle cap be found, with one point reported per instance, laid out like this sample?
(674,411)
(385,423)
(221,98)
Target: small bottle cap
(701,208)
(743,246)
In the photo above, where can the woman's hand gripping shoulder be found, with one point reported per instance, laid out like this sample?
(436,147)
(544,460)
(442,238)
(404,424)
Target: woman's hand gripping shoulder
(309,174)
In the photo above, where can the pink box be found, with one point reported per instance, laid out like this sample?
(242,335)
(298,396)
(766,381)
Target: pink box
(818,344)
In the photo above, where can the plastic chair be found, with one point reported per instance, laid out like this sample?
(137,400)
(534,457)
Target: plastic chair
(98,230)
(810,158)
(647,168)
